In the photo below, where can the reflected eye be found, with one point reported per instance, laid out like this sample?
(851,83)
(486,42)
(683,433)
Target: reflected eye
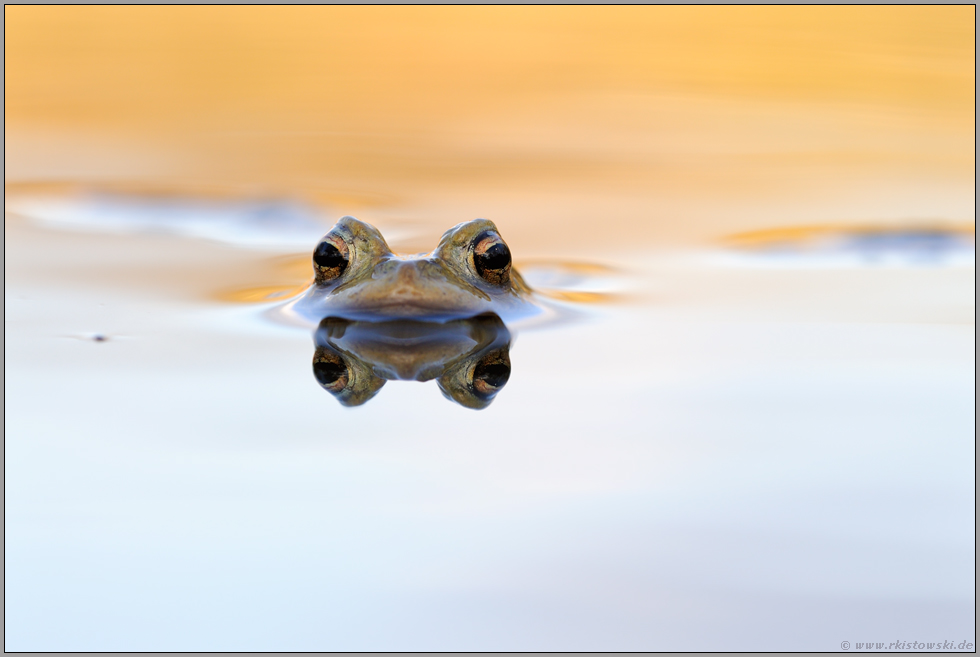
(492,259)
(330,259)
(330,371)
(491,373)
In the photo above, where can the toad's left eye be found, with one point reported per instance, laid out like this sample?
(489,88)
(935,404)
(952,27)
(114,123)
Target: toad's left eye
(330,259)
(330,371)
(492,259)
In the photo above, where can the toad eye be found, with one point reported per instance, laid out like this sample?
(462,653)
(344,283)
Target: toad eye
(491,374)
(492,259)
(330,259)
(330,371)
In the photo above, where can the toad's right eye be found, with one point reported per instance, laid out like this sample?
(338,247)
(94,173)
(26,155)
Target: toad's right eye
(491,374)
(492,259)
(330,259)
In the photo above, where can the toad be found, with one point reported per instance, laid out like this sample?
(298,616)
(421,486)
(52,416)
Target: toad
(469,273)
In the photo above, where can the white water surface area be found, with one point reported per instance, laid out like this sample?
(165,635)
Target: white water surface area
(710,450)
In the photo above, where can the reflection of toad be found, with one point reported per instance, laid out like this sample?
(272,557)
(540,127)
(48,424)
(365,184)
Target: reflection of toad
(469,358)
(468,273)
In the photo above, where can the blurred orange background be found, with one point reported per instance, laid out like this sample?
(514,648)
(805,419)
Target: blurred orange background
(669,123)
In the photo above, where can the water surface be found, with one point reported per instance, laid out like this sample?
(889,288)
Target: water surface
(747,423)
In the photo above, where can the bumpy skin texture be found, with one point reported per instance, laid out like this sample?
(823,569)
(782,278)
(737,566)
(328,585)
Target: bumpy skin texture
(467,274)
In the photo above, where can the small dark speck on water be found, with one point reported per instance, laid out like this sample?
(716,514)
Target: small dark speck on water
(98,337)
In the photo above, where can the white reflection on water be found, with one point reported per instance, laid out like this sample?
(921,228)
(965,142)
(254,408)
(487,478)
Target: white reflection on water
(734,459)
(264,224)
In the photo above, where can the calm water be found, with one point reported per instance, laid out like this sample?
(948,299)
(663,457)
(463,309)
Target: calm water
(745,421)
